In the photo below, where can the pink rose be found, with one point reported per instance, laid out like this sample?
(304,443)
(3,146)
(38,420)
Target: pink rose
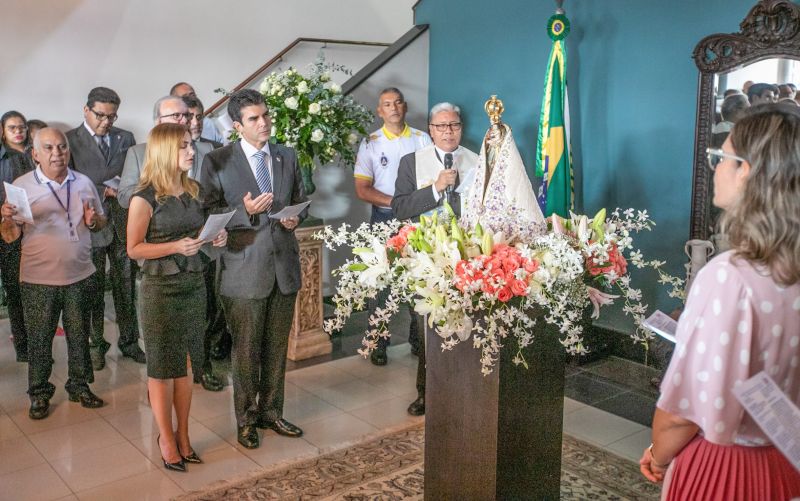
(504,294)
(518,287)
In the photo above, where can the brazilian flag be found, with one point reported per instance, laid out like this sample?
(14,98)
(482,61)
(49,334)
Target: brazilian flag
(553,160)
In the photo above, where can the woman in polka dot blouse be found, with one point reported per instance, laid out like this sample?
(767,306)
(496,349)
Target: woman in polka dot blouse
(742,317)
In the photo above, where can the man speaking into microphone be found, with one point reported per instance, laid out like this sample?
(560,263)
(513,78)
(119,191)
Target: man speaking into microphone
(425,179)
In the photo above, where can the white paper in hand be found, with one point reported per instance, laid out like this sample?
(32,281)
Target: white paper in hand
(662,324)
(776,415)
(113,183)
(290,211)
(18,197)
(214,224)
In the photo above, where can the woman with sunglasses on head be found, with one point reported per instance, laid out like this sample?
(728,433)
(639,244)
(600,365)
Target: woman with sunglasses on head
(742,317)
(14,162)
(164,220)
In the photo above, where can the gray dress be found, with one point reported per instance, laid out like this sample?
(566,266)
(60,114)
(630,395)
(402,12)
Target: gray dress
(172,300)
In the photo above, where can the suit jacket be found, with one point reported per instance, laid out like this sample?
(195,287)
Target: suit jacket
(133,168)
(261,252)
(87,159)
(213,143)
(408,201)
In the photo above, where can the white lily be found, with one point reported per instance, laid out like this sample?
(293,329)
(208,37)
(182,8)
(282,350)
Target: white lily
(377,261)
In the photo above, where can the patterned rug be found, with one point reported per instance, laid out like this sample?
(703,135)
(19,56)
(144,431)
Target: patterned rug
(391,467)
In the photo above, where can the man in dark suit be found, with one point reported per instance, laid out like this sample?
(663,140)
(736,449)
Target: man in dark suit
(260,273)
(425,179)
(98,151)
(217,339)
(168,109)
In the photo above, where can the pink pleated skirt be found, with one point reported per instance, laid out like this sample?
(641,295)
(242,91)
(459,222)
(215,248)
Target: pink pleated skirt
(709,472)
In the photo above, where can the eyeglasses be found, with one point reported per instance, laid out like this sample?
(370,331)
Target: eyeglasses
(17,128)
(715,156)
(177,116)
(102,116)
(453,126)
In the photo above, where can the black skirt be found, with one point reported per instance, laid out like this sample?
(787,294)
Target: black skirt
(173,311)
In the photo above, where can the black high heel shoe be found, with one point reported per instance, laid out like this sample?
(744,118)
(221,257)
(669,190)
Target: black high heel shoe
(179,466)
(192,458)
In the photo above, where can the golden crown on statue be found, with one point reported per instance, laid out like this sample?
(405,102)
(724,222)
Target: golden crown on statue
(494,108)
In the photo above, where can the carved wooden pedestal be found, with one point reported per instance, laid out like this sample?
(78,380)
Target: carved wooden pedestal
(307,339)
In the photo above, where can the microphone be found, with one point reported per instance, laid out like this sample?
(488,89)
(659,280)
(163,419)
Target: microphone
(448,164)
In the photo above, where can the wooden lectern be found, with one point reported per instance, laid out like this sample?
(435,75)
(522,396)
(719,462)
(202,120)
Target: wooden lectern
(495,436)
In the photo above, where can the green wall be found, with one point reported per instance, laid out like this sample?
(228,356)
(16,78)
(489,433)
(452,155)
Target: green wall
(632,86)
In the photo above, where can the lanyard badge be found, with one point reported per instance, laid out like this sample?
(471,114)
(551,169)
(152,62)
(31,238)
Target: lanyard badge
(72,233)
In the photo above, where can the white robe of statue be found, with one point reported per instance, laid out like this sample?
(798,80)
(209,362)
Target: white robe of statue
(501,197)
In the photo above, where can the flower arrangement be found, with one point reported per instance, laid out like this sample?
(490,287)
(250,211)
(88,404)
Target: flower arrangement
(311,115)
(474,284)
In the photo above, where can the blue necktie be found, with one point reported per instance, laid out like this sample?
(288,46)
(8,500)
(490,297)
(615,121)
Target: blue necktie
(101,142)
(262,173)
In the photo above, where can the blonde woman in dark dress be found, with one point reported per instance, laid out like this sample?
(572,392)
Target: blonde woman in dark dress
(165,216)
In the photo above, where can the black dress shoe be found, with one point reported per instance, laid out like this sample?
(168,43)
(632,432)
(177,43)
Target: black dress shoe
(98,359)
(281,427)
(210,382)
(248,437)
(179,466)
(417,407)
(40,408)
(87,399)
(222,348)
(133,351)
(378,356)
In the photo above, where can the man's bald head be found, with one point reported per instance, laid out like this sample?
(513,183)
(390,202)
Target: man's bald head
(51,152)
(48,134)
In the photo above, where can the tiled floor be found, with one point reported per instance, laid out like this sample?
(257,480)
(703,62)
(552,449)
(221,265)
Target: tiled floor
(110,453)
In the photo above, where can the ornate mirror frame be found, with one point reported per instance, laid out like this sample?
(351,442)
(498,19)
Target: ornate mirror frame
(771,29)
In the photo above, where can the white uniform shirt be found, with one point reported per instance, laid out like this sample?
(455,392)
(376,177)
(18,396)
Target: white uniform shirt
(379,156)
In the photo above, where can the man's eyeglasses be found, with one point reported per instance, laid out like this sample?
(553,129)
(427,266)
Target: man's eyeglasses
(715,156)
(17,128)
(178,116)
(103,117)
(453,126)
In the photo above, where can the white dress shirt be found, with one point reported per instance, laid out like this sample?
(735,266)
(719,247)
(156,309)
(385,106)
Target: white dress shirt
(250,151)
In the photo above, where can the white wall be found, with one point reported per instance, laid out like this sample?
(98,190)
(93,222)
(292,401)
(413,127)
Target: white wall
(55,51)
(335,200)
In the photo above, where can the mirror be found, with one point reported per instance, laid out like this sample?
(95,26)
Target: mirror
(766,49)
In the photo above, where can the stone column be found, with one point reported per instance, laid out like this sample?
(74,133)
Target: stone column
(307,339)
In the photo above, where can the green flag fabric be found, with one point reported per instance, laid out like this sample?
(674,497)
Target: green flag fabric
(553,159)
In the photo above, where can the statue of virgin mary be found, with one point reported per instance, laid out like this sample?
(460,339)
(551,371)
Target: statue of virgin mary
(501,197)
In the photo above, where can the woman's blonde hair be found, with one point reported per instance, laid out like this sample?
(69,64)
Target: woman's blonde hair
(161,161)
(763,224)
